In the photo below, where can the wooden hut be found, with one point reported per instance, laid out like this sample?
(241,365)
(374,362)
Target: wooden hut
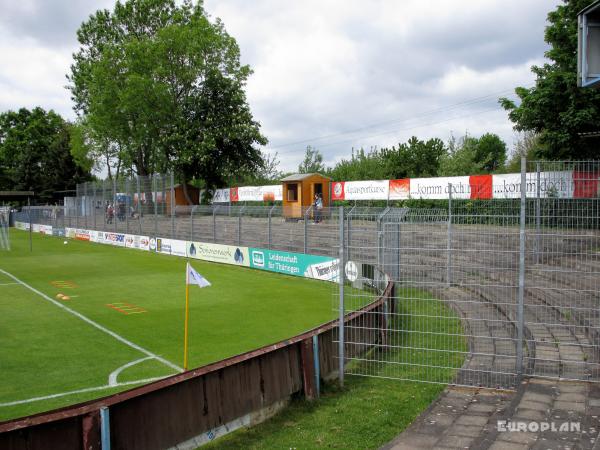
(299,193)
(180,200)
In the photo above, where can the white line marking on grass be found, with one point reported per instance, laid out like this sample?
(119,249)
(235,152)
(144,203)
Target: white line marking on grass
(80,391)
(95,324)
(112,378)
(7,284)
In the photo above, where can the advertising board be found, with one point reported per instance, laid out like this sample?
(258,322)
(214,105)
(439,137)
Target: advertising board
(297,264)
(366,190)
(225,254)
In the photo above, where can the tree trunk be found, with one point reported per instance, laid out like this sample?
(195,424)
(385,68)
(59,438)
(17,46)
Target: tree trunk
(186,194)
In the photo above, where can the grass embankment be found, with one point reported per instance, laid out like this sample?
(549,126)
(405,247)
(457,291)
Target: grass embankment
(369,412)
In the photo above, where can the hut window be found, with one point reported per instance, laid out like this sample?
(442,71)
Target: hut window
(292,192)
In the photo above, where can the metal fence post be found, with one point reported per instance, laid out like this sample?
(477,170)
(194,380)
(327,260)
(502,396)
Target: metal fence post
(538,213)
(521,294)
(173,206)
(341,300)
(240,224)
(84,208)
(95,205)
(215,223)
(155,201)
(77,197)
(270,225)
(306,214)
(449,239)
(192,222)
(126,205)
(398,251)
(316,362)
(139,202)
(380,239)
(115,220)
(349,232)
(104,428)
(104,205)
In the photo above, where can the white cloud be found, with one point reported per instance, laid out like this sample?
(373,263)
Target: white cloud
(324,68)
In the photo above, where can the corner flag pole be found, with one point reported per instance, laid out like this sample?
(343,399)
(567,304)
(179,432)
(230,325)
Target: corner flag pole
(191,277)
(187,316)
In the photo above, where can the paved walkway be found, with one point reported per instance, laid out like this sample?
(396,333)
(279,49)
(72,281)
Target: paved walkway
(469,418)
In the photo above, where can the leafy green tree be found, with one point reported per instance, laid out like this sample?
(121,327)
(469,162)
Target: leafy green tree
(527,145)
(461,158)
(490,152)
(471,156)
(35,153)
(268,173)
(313,161)
(361,166)
(555,107)
(165,85)
(415,158)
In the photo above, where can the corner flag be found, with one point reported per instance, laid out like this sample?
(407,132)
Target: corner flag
(191,277)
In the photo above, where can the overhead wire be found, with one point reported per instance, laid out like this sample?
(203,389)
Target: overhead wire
(424,114)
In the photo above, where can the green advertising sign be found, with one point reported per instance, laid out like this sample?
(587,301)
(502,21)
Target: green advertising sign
(297,264)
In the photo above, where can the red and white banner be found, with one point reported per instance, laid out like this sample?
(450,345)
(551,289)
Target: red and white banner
(366,190)
(557,184)
(587,184)
(249,194)
(552,185)
(259,193)
(337,191)
(400,189)
(438,188)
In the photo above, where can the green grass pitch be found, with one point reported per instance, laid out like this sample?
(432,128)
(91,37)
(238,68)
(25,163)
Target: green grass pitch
(48,351)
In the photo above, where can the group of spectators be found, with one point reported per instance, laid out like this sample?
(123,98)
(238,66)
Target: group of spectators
(120,211)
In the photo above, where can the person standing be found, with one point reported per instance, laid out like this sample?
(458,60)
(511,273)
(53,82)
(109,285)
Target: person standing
(318,206)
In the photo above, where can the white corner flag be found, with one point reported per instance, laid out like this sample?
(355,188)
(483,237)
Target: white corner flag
(193,277)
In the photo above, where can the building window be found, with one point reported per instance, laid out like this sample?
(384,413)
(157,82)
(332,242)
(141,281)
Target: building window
(292,192)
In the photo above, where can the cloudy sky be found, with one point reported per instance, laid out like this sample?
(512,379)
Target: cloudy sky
(333,74)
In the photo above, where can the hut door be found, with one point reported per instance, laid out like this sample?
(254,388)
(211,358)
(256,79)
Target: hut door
(318,189)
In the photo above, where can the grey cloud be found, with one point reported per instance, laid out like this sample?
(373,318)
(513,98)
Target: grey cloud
(52,23)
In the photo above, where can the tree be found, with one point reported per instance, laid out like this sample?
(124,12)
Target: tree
(313,161)
(35,153)
(268,173)
(414,158)
(461,158)
(490,152)
(471,156)
(555,108)
(163,84)
(94,152)
(361,166)
(527,145)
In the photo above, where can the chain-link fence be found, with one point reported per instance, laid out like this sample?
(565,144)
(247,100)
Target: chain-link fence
(485,291)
